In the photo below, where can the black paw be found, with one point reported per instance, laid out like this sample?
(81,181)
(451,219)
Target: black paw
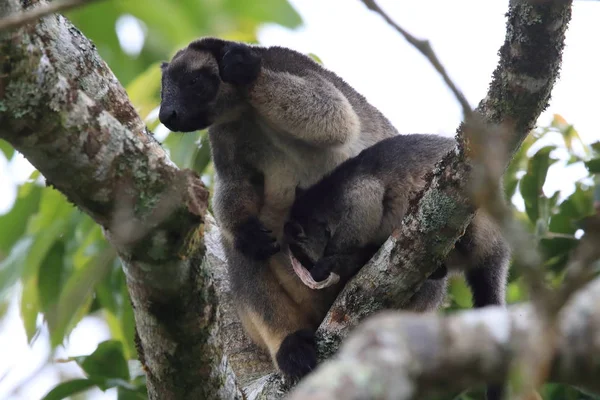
(494,392)
(255,241)
(297,355)
(439,273)
(322,269)
(240,65)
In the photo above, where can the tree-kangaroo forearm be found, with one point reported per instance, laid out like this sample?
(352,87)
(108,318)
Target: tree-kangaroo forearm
(235,202)
(309,108)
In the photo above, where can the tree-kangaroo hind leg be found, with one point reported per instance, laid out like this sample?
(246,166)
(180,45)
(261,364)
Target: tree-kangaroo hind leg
(488,256)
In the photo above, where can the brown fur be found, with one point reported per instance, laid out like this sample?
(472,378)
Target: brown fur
(360,203)
(338,223)
(278,120)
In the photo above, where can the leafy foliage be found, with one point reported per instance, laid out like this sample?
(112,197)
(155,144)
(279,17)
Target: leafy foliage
(554,219)
(105,368)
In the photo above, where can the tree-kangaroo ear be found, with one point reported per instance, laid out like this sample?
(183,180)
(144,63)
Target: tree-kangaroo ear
(212,45)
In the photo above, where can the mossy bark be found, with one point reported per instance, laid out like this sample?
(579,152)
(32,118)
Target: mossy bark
(64,110)
(404,356)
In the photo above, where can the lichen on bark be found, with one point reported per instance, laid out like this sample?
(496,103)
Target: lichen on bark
(402,356)
(63,109)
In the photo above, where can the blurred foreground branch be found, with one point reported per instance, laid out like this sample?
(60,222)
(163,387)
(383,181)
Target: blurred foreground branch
(405,356)
(19,19)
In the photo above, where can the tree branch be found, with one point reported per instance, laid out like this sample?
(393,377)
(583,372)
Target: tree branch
(424,48)
(66,112)
(409,356)
(20,19)
(520,90)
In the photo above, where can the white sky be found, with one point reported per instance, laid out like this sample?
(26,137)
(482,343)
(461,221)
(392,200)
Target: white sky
(375,60)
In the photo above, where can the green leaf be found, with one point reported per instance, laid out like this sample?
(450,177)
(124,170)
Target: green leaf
(517,164)
(577,206)
(460,292)
(144,90)
(27,203)
(562,223)
(202,156)
(69,388)
(108,293)
(76,297)
(128,394)
(557,391)
(532,183)
(7,149)
(127,320)
(11,266)
(41,245)
(51,276)
(593,165)
(107,361)
(30,307)
(315,57)
(514,293)
(557,263)
(46,227)
(53,206)
(185,22)
(568,132)
(112,294)
(72,387)
(87,244)
(183,148)
(277,11)
(510,186)
(555,247)
(4,304)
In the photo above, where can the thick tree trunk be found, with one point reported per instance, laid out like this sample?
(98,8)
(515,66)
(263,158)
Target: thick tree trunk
(62,107)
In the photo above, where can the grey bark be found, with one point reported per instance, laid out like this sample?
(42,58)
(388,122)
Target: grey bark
(402,356)
(61,106)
